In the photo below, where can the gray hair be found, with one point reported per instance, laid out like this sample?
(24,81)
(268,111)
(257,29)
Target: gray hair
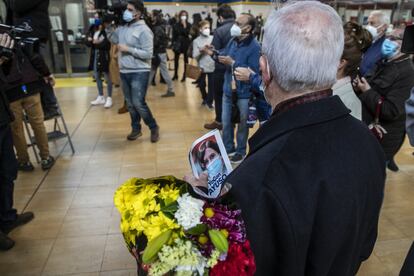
(303,43)
(382,18)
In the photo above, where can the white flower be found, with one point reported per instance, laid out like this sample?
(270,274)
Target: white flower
(190,211)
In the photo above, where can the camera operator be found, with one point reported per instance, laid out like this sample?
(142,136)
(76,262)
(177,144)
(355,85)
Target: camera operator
(26,74)
(35,13)
(9,219)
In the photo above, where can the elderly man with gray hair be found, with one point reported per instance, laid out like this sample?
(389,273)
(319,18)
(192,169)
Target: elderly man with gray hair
(311,187)
(377,27)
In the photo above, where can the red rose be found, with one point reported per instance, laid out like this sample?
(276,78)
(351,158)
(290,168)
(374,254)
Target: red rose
(239,261)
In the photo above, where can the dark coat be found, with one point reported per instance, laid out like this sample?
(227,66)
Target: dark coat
(181,38)
(103,51)
(221,38)
(24,70)
(310,191)
(393,81)
(160,38)
(34,12)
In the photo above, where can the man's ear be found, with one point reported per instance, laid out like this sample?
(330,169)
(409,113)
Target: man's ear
(266,76)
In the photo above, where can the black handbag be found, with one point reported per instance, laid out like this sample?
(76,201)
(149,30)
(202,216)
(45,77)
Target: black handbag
(235,112)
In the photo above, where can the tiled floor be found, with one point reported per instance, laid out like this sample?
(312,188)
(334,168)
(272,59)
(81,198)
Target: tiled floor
(76,232)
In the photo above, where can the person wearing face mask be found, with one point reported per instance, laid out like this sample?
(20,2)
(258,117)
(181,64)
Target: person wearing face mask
(226,17)
(160,52)
(377,27)
(99,63)
(242,51)
(211,165)
(391,81)
(181,41)
(135,49)
(205,62)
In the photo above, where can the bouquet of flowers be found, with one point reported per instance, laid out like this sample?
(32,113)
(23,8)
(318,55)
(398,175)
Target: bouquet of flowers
(172,232)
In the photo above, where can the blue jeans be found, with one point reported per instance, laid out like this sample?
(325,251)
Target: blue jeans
(134,86)
(228,128)
(98,79)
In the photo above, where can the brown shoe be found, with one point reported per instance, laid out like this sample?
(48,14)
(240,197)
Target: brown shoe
(123,109)
(155,135)
(214,125)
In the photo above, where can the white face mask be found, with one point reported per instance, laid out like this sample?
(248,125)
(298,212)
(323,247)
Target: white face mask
(183,18)
(235,31)
(205,32)
(373,31)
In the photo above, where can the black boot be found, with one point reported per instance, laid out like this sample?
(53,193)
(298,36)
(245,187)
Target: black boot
(392,166)
(5,242)
(20,220)
(175,77)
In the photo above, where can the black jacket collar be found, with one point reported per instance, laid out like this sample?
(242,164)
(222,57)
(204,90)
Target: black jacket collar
(298,117)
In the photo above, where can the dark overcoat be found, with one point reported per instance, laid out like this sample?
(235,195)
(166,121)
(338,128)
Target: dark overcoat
(310,191)
(393,81)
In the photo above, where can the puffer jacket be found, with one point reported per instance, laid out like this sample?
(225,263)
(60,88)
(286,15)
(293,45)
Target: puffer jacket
(393,81)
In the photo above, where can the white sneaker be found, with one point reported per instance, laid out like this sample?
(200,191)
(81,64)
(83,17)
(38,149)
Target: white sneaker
(108,103)
(99,100)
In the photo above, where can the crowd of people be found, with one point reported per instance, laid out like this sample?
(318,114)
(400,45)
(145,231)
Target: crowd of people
(319,97)
(230,80)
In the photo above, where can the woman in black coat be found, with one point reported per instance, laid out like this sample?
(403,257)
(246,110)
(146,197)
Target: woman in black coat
(392,80)
(181,41)
(99,62)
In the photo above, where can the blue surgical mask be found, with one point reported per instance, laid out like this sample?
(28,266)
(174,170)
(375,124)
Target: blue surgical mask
(215,167)
(389,49)
(128,16)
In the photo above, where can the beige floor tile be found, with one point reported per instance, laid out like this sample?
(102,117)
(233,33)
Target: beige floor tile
(90,197)
(52,199)
(76,255)
(26,258)
(116,255)
(131,272)
(374,267)
(75,201)
(86,222)
(45,225)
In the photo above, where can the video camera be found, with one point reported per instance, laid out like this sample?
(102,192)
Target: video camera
(113,14)
(18,34)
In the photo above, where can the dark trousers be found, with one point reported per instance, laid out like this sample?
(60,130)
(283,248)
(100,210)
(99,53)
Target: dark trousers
(8,173)
(47,95)
(206,94)
(217,81)
(176,62)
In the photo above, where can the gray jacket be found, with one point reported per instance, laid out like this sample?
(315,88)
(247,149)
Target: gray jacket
(409,123)
(139,38)
(205,62)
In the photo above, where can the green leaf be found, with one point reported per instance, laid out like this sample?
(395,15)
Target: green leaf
(154,246)
(219,240)
(197,230)
(172,208)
